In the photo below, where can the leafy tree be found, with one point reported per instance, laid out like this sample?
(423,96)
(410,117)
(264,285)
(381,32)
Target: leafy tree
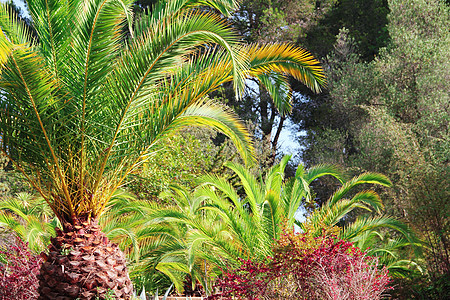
(11,181)
(275,21)
(87,103)
(391,116)
(366,21)
(182,159)
(186,156)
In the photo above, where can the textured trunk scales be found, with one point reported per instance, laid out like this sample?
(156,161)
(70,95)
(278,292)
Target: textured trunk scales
(82,263)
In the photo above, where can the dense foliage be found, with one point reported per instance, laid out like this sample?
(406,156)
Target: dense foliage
(11,181)
(195,234)
(305,266)
(18,271)
(391,115)
(225,220)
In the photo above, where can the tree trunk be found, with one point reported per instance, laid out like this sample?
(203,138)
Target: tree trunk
(82,263)
(276,137)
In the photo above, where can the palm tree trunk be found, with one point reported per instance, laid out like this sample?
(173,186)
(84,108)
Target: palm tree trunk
(82,263)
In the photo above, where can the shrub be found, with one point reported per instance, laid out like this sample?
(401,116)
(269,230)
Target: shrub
(349,277)
(18,272)
(307,267)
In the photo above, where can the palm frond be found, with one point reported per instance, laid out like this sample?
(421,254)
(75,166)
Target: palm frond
(217,116)
(30,219)
(371,223)
(289,60)
(365,178)
(272,216)
(277,85)
(53,21)
(13,32)
(251,186)
(322,170)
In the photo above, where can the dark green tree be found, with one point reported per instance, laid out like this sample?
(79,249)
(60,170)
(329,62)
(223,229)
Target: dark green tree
(313,24)
(391,115)
(366,21)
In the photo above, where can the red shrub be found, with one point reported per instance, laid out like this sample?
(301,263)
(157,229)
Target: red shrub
(352,277)
(306,267)
(18,271)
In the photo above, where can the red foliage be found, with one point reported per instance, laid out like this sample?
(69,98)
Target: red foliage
(18,274)
(306,267)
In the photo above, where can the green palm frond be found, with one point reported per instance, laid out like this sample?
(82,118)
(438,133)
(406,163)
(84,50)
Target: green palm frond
(51,21)
(334,210)
(322,170)
(371,223)
(225,7)
(365,178)
(272,216)
(275,176)
(162,11)
(277,85)
(337,207)
(29,218)
(13,32)
(391,251)
(287,59)
(297,189)
(251,186)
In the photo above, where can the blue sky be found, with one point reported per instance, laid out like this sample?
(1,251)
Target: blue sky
(20,4)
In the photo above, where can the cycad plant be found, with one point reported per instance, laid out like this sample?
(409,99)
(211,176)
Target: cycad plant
(89,96)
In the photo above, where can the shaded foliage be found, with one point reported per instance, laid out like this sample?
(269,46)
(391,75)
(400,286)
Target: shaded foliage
(391,116)
(366,21)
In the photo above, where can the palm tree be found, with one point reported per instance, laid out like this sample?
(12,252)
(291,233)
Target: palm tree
(30,218)
(253,219)
(88,98)
(220,223)
(215,226)
(338,207)
(368,231)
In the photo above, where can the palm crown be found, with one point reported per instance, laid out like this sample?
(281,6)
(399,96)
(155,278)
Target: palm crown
(89,98)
